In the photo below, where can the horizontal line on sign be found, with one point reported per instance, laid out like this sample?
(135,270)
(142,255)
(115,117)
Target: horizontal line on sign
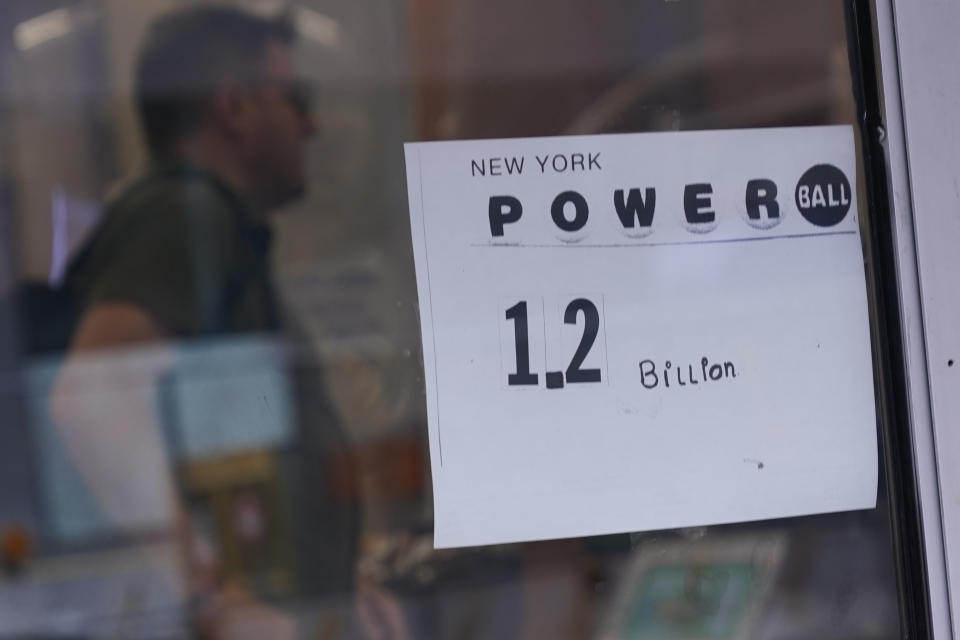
(656,244)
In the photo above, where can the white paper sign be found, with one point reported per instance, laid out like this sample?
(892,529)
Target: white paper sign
(642,331)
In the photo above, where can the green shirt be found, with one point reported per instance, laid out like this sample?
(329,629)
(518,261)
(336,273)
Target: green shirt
(183,247)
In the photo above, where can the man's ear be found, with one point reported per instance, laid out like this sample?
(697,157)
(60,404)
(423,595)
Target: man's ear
(231,108)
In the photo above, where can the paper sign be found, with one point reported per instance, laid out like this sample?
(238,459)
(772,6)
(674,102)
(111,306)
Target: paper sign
(642,331)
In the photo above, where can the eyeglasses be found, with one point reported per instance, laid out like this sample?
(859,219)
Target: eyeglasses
(297,93)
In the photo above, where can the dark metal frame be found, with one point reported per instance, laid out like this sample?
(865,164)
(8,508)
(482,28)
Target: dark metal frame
(889,351)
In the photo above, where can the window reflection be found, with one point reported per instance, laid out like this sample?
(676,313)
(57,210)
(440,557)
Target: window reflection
(240,447)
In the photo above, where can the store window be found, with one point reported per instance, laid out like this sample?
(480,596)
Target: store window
(226,430)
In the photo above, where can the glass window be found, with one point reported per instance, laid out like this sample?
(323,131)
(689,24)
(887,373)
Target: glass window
(210,336)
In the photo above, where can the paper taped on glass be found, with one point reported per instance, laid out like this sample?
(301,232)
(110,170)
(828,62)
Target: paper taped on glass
(642,331)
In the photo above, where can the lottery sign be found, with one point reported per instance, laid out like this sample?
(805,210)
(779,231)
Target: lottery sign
(642,331)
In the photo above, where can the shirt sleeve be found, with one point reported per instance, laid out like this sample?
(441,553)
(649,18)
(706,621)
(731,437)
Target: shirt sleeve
(173,257)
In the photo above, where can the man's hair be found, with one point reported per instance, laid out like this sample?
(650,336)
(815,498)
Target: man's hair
(186,55)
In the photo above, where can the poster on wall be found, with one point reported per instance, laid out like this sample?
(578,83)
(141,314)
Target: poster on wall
(642,331)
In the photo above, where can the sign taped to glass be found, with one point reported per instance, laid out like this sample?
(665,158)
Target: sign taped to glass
(642,331)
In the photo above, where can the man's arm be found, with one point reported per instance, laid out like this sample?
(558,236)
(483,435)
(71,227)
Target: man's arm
(103,404)
(161,277)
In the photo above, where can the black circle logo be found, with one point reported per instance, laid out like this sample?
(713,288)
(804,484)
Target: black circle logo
(823,195)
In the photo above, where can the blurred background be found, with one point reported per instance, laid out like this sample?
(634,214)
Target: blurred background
(386,72)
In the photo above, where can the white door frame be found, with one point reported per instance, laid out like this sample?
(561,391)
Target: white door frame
(919,43)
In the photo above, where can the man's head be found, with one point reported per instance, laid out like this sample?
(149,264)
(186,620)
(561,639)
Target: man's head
(217,84)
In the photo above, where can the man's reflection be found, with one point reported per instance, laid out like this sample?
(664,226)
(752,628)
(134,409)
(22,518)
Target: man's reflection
(183,253)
